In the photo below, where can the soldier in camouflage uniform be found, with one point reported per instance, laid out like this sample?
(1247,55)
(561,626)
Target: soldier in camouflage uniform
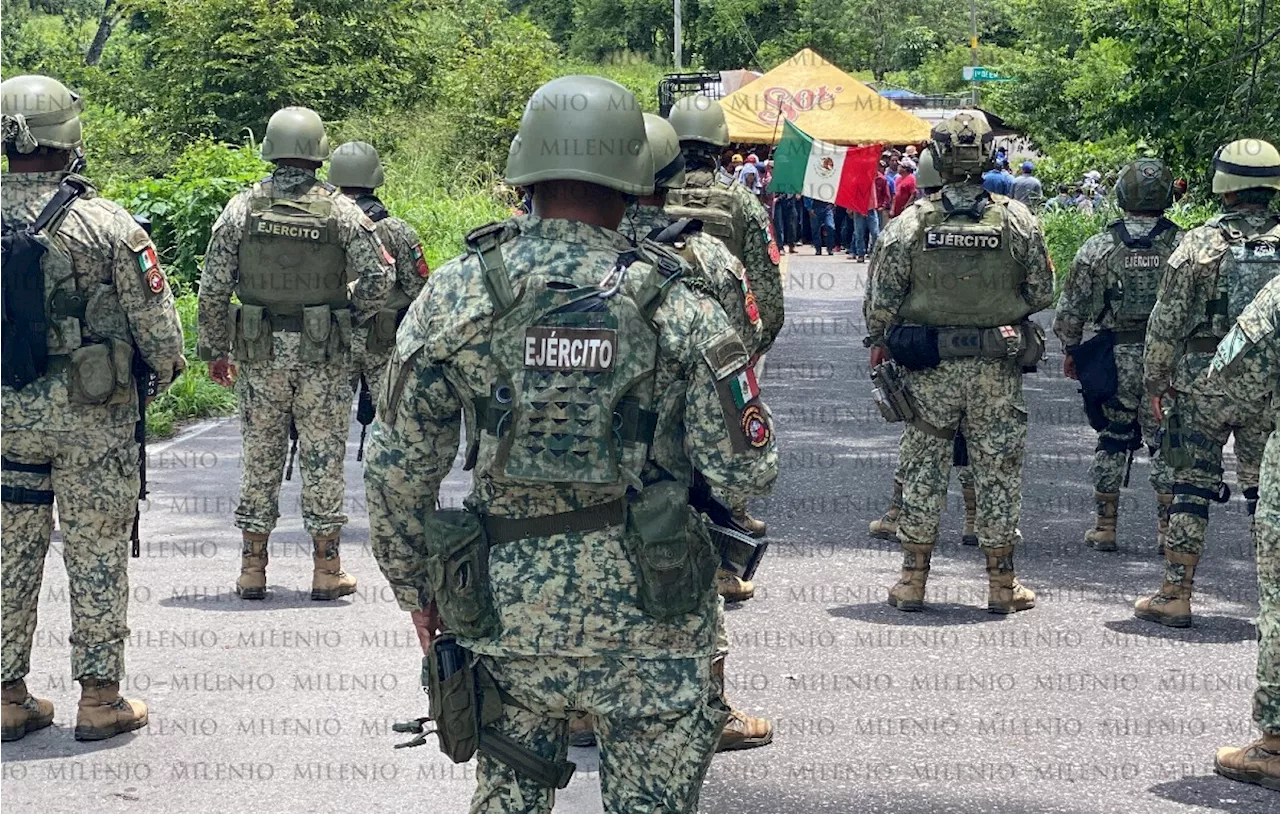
(1216,271)
(356,170)
(1112,286)
(731,213)
(721,275)
(886,526)
(69,431)
(578,623)
(287,247)
(956,279)
(1247,363)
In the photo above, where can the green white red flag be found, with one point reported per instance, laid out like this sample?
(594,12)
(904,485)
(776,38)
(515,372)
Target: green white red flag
(841,175)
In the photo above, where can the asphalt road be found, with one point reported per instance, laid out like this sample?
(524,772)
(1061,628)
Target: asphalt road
(1074,707)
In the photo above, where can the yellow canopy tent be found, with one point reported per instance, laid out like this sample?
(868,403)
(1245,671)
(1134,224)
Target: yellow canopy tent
(821,100)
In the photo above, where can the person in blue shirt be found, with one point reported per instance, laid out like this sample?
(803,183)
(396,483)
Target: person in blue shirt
(998,181)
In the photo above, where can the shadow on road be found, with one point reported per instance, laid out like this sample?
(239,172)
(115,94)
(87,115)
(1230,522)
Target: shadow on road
(1212,791)
(934,615)
(57,742)
(278,598)
(1206,629)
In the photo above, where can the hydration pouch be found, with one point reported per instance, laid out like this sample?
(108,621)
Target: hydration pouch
(253,342)
(92,377)
(458,571)
(673,556)
(382,333)
(317,322)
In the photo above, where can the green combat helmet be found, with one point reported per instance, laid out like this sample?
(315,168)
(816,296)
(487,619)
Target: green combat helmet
(927,176)
(295,132)
(1145,185)
(668,161)
(39,112)
(963,146)
(699,118)
(1247,163)
(355,164)
(582,128)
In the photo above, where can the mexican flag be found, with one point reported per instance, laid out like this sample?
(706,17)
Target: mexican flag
(828,172)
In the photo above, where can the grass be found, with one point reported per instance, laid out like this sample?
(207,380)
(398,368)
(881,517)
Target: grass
(193,395)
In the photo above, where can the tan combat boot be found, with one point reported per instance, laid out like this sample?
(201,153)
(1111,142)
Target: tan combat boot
(104,714)
(22,712)
(733,587)
(1163,501)
(886,528)
(1102,537)
(252,583)
(741,731)
(1004,593)
(970,535)
(1257,763)
(908,594)
(1171,605)
(756,528)
(328,580)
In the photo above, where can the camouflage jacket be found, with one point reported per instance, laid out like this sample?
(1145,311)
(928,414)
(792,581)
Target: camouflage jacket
(1189,284)
(760,254)
(1083,293)
(367,261)
(723,273)
(1247,363)
(890,269)
(405,246)
(569,594)
(107,247)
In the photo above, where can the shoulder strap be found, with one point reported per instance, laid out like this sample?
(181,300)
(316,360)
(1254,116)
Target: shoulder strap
(486,244)
(671,234)
(1145,242)
(665,268)
(372,207)
(68,191)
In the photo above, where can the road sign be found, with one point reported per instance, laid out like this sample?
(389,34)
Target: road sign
(975,74)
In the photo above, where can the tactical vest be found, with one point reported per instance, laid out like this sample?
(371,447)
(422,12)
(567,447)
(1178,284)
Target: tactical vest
(1134,267)
(1251,260)
(291,255)
(572,403)
(715,206)
(963,270)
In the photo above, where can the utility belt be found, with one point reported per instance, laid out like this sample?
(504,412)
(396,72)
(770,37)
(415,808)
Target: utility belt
(922,347)
(1203,344)
(382,330)
(465,702)
(326,332)
(1134,336)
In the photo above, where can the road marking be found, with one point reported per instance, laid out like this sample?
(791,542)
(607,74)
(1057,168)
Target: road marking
(193,432)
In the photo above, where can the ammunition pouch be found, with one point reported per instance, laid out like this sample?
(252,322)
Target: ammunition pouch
(99,373)
(892,397)
(1174,450)
(670,549)
(1096,371)
(465,702)
(458,572)
(252,333)
(920,347)
(316,327)
(1032,349)
(740,553)
(382,330)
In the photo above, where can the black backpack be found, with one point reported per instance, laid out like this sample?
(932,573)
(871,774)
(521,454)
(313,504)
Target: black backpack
(24,345)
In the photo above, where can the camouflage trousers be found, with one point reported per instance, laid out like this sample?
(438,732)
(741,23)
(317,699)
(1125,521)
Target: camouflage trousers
(317,397)
(963,473)
(657,723)
(1207,423)
(1130,421)
(983,398)
(94,476)
(1266,699)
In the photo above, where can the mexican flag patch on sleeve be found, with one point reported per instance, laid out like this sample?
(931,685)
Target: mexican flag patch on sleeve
(420,260)
(149,267)
(744,387)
